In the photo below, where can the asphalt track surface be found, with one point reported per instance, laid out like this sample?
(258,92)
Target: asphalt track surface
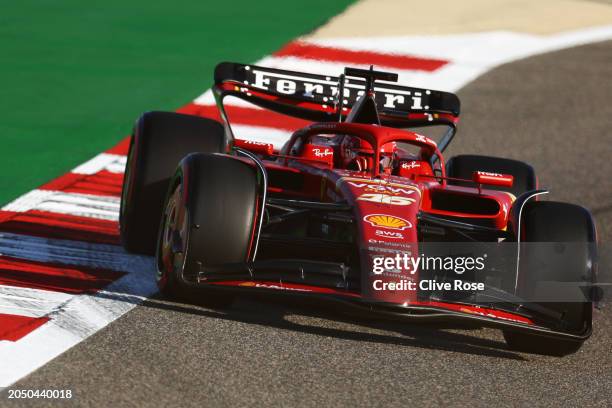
(551,110)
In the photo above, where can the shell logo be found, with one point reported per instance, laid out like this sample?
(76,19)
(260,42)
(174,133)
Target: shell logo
(387,221)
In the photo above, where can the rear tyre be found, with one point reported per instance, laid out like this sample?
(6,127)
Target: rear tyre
(159,141)
(571,261)
(463,166)
(209,219)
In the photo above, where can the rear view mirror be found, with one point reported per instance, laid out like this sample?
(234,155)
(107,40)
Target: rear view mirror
(255,147)
(493,179)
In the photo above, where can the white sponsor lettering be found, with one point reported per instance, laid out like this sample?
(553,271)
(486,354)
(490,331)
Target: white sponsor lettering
(288,85)
(423,139)
(277,287)
(311,89)
(391,100)
(322,152)
(382,188)
(253,142)
(389,234)
(486,173)
(416,101)
(386,199)
(412,165)
(260,80)
(285,86)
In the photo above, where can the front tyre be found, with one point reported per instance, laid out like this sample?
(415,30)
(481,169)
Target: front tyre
(572,259)
(159,141)
(209,220)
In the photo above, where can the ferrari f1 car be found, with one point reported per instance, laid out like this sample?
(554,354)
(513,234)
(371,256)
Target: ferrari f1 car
(353,207)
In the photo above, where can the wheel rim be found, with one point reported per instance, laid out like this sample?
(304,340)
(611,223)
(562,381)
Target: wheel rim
(173,239)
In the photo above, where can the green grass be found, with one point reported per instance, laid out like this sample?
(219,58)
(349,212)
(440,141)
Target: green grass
(74,75)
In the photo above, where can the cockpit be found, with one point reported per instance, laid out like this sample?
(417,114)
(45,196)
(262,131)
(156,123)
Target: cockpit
(349,152)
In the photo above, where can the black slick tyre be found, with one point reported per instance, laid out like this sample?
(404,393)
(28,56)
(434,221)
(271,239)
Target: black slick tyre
(210,219)
(159,141)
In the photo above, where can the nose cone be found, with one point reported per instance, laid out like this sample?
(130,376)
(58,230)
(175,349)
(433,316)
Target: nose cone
(386,213)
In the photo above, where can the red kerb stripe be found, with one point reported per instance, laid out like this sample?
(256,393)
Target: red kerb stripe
(120,148)
(54,277)
(53,225)
(13,327)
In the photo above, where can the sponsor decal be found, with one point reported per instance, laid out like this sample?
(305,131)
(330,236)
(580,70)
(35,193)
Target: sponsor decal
(326,89)
(411,165)
(377,250)
(322,152)
(386,199)
(383,188)
(496,179)
(388,243)
(387,221)
(271,286)
(423,139)
(255,146)
(489,314)
(365,182)
(348,175)
(389,234)
(488,174)
(252,142)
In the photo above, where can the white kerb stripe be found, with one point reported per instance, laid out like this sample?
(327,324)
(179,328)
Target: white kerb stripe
(83,205)
(113,163)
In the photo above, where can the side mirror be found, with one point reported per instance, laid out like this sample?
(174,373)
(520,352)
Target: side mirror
(492,179)
(255,147)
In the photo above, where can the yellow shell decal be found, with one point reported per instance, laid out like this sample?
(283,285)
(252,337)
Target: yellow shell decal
(387,221)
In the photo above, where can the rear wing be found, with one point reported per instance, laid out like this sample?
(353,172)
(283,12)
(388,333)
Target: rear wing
(316,97)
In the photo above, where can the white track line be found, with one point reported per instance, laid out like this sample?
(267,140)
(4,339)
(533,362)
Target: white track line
(30,302)
(69,252)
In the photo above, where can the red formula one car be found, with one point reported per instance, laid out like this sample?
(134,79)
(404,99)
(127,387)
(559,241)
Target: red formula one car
(359,207)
